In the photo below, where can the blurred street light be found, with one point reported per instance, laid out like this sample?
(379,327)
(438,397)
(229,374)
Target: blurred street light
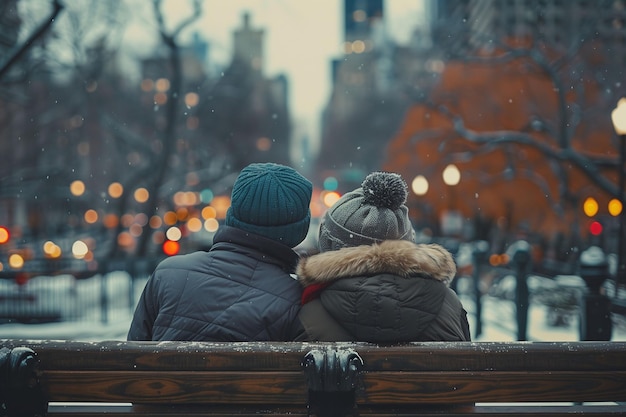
(452,222)
(5,235)
(451,175)
(419,185)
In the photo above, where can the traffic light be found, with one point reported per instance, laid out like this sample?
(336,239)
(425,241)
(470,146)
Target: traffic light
(615,207)
(590,207)
(595,228)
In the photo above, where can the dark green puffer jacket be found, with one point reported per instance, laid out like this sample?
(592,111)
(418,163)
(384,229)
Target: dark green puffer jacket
(243,289)
(392,292)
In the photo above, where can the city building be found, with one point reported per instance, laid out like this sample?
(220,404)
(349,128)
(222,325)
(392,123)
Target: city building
(374,82)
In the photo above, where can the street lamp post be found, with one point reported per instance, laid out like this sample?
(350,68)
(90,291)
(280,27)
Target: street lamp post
(420,186)
(618,117)
(451,218)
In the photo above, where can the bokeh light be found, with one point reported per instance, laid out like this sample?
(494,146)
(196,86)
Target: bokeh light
(451,175)
(155,222)
(590,206)
(182,214)
(147,85)
(16,261)
(125,240)
(206,196)
(51,250)
(91,216)
(263,144)
(110,221)
(419,185)
(170,218)
(135,230)
(170,248)
(221,204)
(141,195)
(595,228)
(174,233)
(331,183)
(615,207)
(79,249)
(192,99)
(116,190)
(141,219)
(5,235)
(330,198)
(209,213)
(127,219)
(77,188)
(194,225)
(211,225)
(162,85)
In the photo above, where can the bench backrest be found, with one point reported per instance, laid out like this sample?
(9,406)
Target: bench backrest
(304,377)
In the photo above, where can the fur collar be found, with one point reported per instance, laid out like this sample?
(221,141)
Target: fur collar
(398,257)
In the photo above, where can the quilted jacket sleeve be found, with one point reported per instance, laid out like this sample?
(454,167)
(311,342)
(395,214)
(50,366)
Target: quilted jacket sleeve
(145,314)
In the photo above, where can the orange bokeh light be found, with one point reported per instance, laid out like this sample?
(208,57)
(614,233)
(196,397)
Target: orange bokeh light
(4,235)
(170,247)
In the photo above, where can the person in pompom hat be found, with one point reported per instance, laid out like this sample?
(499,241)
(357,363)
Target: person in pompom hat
(243,288)
(371,282)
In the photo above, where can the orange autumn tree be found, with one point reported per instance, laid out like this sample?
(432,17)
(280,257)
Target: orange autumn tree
(528,128)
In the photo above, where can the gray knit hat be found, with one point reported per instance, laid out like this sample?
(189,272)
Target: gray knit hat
(271,200)
(370,214)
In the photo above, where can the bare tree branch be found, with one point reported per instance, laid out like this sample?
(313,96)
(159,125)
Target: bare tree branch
(21,50)
(162,159)
(495,138)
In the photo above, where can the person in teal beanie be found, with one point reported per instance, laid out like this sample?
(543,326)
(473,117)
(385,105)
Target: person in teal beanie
(244,287)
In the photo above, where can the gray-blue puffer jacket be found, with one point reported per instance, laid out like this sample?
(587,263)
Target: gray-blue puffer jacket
(241,290)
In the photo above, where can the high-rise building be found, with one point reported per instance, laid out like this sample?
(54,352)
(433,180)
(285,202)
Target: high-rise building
(566,23)
(248,45)
(244,111)
(360,16)
(364,106)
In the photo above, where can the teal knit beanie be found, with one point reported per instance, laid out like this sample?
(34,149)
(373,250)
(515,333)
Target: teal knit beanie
(271,200)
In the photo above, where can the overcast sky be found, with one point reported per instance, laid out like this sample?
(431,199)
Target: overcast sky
(301,38)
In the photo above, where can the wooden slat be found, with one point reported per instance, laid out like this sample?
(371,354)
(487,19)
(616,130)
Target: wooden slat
(97,410)
(260,356)
(264,409)
(290,387)
(468,387)
(164,355)
(511,356)
(176,387)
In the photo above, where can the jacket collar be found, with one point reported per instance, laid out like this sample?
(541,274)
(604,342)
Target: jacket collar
(397,257)
(268,250)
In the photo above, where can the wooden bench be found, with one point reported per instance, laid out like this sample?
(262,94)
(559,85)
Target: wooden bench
(65,378)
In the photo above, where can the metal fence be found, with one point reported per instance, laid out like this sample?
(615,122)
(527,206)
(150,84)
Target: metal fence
(103,296)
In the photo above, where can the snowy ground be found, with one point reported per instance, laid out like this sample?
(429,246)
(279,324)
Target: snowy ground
(498,318)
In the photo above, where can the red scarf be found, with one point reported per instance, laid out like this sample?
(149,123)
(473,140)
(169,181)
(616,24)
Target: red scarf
(312,292)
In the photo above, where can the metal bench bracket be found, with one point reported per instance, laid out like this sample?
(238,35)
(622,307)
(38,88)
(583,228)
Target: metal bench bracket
(332,377)
(20,392)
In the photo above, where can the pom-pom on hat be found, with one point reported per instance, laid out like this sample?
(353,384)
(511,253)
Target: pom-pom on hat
(372,213)
(271,200)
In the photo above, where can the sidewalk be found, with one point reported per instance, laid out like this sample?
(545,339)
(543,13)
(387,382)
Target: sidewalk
(498,326)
